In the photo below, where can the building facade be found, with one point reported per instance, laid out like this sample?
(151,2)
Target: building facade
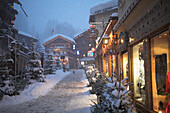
(62,46)
(99,17)
(25,41)
(100,14)
(143,51)
(105,53)
(140,51)
(85,48)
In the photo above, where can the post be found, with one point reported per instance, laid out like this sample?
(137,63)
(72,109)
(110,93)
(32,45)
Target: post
(15,61)
(112,62)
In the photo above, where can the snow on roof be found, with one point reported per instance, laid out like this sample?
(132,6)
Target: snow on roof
(104,7)
(114,14)
(26,34)
(80,32)
(50,53)
(55,35)
(87,59)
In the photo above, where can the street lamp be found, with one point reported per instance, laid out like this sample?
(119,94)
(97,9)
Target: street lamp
(105,39)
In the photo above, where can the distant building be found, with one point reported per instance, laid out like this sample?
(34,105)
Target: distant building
(61,46)
(25,38)
(100,14)
(84,46)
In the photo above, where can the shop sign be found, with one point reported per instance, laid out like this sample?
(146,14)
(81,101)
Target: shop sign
(90,53)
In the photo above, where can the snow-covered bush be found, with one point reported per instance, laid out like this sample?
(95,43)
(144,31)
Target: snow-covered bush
(114,98)
(8,85)
(98,83)
(91,75)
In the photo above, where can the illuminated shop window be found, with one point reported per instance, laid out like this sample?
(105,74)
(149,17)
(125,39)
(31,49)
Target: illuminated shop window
(107,66)
(124,64)
(138,72)
(160,63)
(114,63)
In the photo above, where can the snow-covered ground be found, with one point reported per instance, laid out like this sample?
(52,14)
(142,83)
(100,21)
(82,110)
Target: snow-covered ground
(70,95)
(36,89)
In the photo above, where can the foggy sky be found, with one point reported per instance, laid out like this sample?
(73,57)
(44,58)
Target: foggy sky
(74,12)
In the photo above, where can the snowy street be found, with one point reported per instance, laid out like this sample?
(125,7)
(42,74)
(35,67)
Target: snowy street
(70,95)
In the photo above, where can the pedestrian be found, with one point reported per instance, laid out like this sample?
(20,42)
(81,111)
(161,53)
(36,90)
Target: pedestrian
(73,72)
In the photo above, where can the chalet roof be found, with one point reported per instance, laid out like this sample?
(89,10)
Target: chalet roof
(56,35)
(27,34)
(104,7)
(80,32)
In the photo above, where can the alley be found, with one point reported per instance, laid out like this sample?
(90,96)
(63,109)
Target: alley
(70,95)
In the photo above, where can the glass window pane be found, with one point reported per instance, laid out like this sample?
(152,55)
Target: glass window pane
(138,72)
(160,63)
(125,64)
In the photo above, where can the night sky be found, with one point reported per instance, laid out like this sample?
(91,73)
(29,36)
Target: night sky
(74,12)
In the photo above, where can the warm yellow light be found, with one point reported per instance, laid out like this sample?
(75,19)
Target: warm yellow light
(84,55)
(122,41)
(93,49)
(89,45)
(139,99)
(82,63)
(105,41)
(160,112)
(131,39)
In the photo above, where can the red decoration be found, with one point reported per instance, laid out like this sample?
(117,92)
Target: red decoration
(168,108)
(168,83)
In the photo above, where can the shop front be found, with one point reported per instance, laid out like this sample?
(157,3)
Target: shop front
(160,70)
(138,72)
(150,71)
(149,57)
(124,64)
(122,52)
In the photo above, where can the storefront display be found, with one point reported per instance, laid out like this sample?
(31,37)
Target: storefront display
(160,63)
(160,71)
(114,63)
(168,83)
(107,65)
(138,72)
(124,64)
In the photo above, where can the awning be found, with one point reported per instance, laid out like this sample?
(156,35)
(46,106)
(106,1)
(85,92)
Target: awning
(87,59)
